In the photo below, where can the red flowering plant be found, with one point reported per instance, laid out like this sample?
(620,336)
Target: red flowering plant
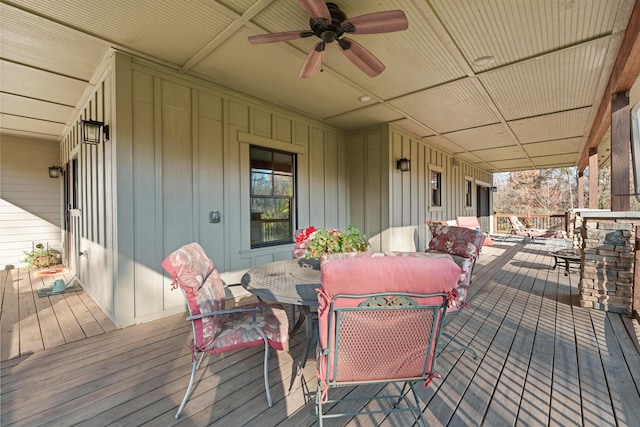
(305,234)
(313,243)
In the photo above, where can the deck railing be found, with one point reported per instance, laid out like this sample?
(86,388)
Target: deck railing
(502,225)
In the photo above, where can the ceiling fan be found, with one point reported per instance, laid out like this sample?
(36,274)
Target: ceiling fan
(329,24)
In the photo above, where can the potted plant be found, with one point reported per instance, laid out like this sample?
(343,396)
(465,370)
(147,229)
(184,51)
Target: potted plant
(40,256)
(528,222)
(313,243)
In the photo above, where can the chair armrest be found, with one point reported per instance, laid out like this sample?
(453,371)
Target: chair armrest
(214,313)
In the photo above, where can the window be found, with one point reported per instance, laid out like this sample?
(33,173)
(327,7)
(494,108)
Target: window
(468,199)
(272,197)
(436,188)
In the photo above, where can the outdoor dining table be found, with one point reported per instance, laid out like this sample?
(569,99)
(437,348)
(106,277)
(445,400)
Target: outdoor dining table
(292,281)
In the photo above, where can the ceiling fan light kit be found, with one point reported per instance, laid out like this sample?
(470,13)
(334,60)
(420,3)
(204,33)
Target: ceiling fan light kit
(329,24)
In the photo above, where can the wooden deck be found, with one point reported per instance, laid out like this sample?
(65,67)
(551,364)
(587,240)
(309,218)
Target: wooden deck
(29,323)
(543,360)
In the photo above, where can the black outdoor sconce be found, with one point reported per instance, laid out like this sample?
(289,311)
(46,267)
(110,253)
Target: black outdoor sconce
(92,131)
(403,164)
(54,171)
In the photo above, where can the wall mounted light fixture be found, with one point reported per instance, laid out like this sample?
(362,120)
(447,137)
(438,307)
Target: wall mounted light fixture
(93,131)
(494,189)
(403,164)
(54,171)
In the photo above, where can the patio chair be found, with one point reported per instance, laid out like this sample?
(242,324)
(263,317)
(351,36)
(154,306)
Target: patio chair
(464,245)
(474,223)
(380,317)
(518,229)
(215,329)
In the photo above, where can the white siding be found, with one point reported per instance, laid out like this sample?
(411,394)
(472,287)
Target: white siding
(29,199)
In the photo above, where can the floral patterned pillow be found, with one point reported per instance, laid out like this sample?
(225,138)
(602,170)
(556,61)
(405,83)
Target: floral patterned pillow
(460,241)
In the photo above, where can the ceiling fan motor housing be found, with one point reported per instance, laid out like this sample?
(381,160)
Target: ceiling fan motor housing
(329,33)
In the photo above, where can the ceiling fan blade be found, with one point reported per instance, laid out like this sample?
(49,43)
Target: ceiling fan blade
(279,37)
(378,22)
(313,61)
(316,9)
(361,57)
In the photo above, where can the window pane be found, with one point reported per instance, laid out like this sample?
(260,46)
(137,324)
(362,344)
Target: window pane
(270,220)
(261,183)
(283,162)
(271,208)
(435,180)
(283,185)
(261,159)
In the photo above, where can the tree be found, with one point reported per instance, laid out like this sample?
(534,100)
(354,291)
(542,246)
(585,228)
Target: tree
(543,191)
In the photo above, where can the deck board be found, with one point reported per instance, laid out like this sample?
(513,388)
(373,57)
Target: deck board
(30,324)
(537,392)
(10,318)
(497,337)
(543,360)
(51,333)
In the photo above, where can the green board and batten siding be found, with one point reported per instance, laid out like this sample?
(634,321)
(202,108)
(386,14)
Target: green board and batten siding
(179,149)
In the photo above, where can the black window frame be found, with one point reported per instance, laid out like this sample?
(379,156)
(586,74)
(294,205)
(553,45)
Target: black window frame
(258,224)
(436,191)
(468,193)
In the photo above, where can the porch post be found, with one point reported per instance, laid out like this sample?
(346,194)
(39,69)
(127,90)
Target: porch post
(581,189)
(636,274)
(593,178)
(620,152)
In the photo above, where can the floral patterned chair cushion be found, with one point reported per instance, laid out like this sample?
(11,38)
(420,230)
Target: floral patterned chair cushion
(464,245)
(203,288)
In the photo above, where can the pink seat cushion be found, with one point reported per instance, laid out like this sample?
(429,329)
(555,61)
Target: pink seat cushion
(371,272)
(473,223)
(468,222)
(405,352)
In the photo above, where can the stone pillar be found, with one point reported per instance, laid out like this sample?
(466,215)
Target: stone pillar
(607,276)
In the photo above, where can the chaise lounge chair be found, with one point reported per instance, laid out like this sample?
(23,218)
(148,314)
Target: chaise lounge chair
(531,233)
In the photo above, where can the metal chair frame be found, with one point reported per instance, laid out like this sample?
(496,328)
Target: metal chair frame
(397,303)
(461,346)
(198,360)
